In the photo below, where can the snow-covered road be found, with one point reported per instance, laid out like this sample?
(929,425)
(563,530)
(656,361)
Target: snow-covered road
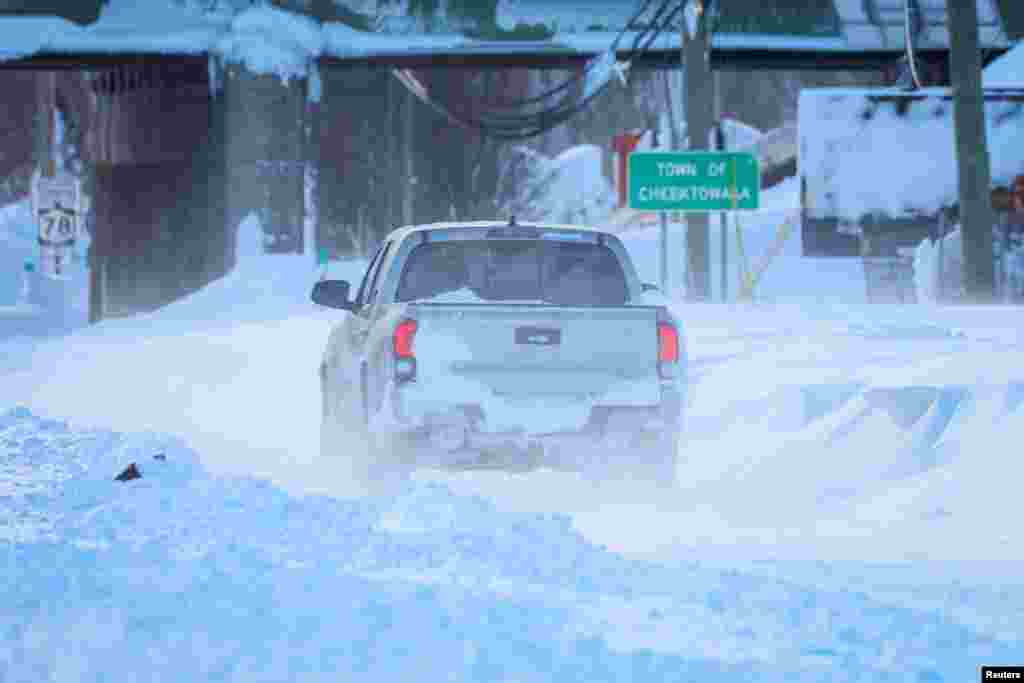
(848,511)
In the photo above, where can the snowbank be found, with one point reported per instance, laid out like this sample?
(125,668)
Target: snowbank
(262,288)
(54,306)
(182,574)
(17,245)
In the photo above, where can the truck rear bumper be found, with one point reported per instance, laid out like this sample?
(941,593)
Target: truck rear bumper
(455,427)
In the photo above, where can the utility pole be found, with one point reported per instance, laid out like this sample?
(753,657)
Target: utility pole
(976,214)
(46,166)
(46,87)
(410,179)
(699,106)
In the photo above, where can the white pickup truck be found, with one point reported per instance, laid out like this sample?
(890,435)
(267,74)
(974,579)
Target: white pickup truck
(503,345)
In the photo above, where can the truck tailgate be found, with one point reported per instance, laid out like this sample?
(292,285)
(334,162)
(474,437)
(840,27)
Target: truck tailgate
(607,354)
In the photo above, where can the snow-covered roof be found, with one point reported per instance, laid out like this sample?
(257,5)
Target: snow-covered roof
(383,28)
(881,24)
(158,26)
(271,40)
(844,27)
(859,155)
(1007,71)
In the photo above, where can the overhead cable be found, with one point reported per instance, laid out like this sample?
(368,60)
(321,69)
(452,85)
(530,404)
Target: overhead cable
(511,125)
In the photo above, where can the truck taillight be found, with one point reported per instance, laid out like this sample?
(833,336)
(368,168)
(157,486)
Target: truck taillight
(668,350)
(404,335)
(405,361)
(668,343)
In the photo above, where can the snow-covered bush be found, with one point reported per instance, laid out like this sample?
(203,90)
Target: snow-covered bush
(521,180)
(928,275)
(571,188)
(1014,265)
(927,270)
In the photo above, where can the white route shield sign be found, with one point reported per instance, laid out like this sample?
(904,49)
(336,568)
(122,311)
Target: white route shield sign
(57,226)
(57,204)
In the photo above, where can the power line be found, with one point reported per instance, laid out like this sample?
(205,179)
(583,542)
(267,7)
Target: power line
(607,58)
(541,122)
(523,123)
(569,82)
(913,24)
(521,126)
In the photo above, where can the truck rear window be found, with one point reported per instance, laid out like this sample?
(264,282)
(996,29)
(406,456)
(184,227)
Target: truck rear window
(561,273)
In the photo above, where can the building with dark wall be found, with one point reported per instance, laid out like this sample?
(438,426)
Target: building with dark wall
(78,11)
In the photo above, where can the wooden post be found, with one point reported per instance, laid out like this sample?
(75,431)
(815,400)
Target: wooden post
(976,215)
(43,123)
(313,239)
(408,173)
(699,93)
(102,240)
(51,124)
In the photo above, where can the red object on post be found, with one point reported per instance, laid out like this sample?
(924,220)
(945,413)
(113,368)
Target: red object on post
(1018,193)
(623,145)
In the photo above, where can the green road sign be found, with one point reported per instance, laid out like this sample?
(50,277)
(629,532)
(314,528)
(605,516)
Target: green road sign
(693,181)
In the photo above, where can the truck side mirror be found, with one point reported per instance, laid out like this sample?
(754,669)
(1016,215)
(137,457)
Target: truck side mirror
(333,294)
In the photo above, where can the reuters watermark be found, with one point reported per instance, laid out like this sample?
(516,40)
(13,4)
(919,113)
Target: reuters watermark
(1002,673)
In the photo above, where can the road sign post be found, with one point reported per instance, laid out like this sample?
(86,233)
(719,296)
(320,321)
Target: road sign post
(723,218)
(57,204)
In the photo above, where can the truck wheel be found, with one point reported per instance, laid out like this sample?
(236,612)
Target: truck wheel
(384,460)
(329,431)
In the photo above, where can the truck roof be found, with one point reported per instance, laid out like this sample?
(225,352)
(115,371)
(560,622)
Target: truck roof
(404,231)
